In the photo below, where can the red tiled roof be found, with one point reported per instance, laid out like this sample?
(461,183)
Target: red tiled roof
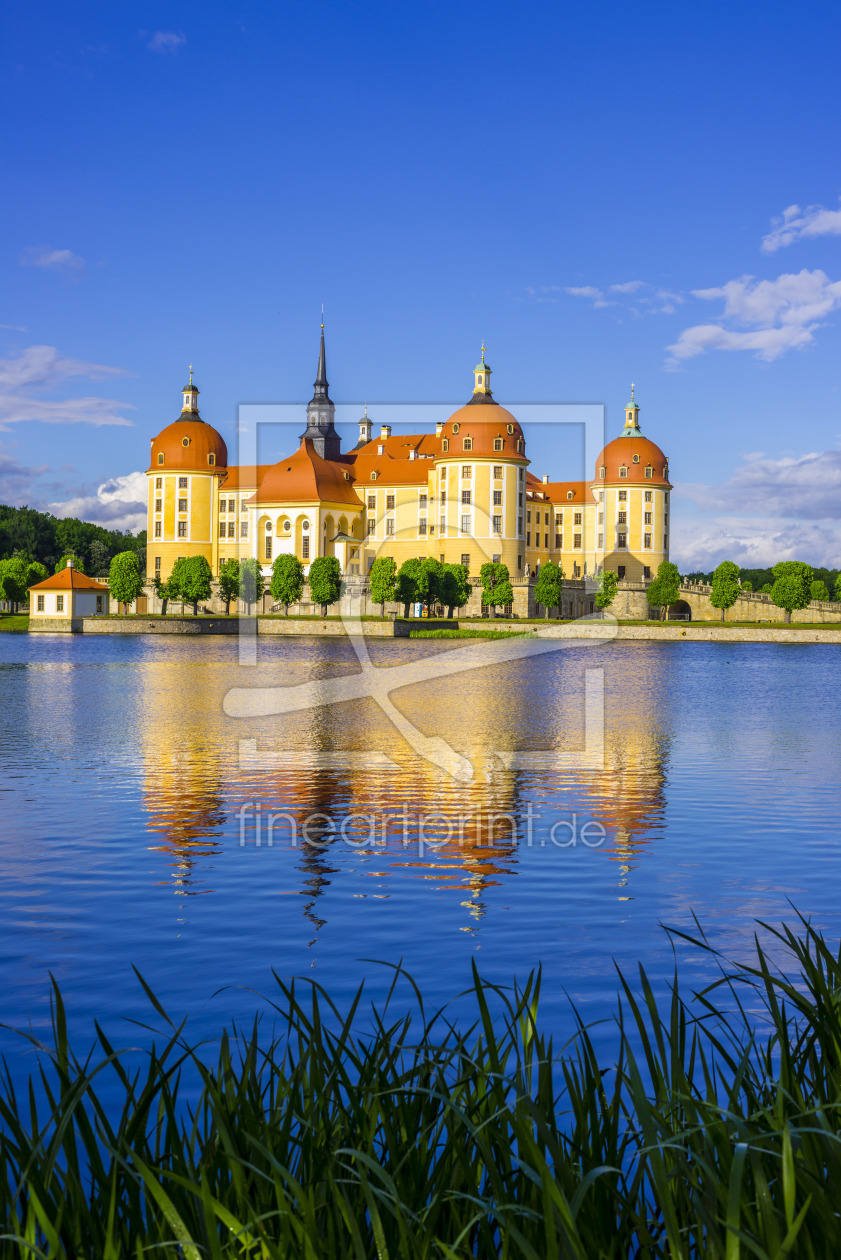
(69,579)
(244,476)
(306,478)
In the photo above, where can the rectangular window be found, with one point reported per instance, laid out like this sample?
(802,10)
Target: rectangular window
(649,472)
(558,542)
(466,472)
(157,529)
(182,529)
(520,499)
(528,517)
(546,541)
(422,501)
(519,562)
(182,483)
(495,559)
(372,527)
(528,537)
(497,498)
(621,540)
(221,528)
(422,525)
(576,540)
(623,472)
(519,526)
(576,520)
(465,560)
(232,529)
(622,518)
(59,603)
(159,483)
(600,543)
(268,548)
(497,525)
(621,572)
(465,497)
(157,505)
(647,520)
(648,496)
(389,527)
(99,603)
(665,542)
(601,518)
(232,505)
(497,472)
(305,547)
(646,542)
(243,529)
(182,505)
(646,573)
(443,496)
(40,603)
(465,524)
(243,507)
(442,526)
(389,502)
(623,495)
(372,502)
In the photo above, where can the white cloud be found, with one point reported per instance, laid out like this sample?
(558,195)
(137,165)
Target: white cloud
(166,41)
(794,224)
(630,287)
(61,260)
(774,315)
(39,368)
(588,291)
(752,543)
(118,504)
(804,487)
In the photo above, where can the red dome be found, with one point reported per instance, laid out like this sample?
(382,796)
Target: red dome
(188,444)
(484,423)
(635,454)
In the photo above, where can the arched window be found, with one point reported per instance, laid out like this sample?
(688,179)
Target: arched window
(373,476)
(211,459)
(570,494)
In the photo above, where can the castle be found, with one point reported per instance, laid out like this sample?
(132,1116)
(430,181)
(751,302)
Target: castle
(463,493)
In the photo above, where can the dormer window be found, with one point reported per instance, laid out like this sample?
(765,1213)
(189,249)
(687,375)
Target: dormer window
(373,476)
(497,444)
(649,471)
(468,444)
(346,475)
(570,494)
(211,459)
(445,445)
(161,458)
(602,472)
(623,471)
(519,446)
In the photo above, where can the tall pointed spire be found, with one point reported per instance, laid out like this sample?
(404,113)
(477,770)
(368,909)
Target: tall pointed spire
(320,429)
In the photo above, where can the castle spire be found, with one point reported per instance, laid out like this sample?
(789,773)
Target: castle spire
(482,380)
(321,412)
(632,417)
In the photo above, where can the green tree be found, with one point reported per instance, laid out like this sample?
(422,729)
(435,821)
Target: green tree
(382,577)
(406,586)
(767,588)
(229,582)
(792,586)
(455,588)
(747,586)
(550,585)
(325,578)
(251,584)
(163,592)
(197,581)
(36,572)
(287,582)
(429,582)
(725,586)
(78,563)
(838,587)
(665,589)
(13,585)
(496,585)
(124,580)
(100,558)
(819,590)
(608,586)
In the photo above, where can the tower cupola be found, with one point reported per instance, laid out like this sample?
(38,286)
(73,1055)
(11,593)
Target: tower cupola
(481,377)
(191,397)
(321,413)
(366,427)
(632,417)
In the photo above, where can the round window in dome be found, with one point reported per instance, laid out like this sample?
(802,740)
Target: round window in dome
(455,428)
(636,459)
(509,428)
(185,441)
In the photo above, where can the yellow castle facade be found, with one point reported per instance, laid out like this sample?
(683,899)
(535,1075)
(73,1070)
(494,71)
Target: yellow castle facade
(463,493)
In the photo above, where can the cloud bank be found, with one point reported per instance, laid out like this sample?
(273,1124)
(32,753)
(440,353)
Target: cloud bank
(25,375)
(795,224)
(119,503)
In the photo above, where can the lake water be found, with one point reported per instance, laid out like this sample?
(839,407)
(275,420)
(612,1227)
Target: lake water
(692,777)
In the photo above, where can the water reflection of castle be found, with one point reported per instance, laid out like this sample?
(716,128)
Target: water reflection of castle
(196,781)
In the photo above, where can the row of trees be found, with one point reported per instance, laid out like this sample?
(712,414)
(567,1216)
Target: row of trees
(826,583)
(794,586)
(30,535)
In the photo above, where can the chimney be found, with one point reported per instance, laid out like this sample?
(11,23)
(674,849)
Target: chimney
(439,428)
(413,453)
(546,480)
(385,431)
(70,564)
(381,449)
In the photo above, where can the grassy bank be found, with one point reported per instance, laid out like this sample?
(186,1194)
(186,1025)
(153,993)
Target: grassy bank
(388,1134)
(15,622)
(468,633)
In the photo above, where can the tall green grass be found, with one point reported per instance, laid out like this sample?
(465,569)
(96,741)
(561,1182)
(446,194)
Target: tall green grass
(714,1133)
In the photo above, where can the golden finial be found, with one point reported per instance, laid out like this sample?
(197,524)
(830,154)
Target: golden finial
(366,411)
(191,373)
(633,387)
(483,352)
(322,315)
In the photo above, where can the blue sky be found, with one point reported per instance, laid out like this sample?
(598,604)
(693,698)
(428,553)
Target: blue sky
(603,192)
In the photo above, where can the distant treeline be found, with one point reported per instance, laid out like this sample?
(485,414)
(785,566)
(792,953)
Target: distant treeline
(759,578)
(41,536)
